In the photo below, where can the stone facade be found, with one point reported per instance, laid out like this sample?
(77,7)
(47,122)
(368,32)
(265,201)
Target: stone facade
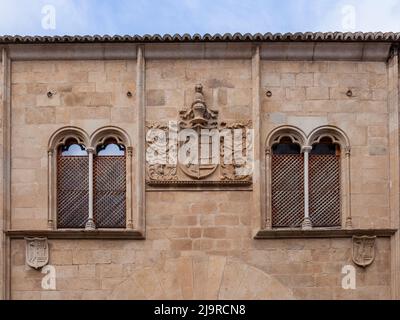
(313,94)
(203,242)
(88,95)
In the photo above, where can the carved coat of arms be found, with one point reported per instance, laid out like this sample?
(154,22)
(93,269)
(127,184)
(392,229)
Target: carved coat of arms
(218,152)
(198,117)
(37,252)
(363,251)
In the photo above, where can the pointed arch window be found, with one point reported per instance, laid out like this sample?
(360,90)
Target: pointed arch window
(325,183)
(72,185)
(110,185)
(287,184)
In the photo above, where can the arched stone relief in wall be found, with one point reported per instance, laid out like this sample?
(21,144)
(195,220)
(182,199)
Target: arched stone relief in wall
(199,149)
(201,278)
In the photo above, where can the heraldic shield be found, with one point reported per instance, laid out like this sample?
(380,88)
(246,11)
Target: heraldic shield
(363,251)
(37,252)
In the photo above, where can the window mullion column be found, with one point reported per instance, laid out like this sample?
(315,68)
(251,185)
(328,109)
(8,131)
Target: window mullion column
(307,224)
(90,225)
(268,179)
(349,221)
(129,188)
(50,208)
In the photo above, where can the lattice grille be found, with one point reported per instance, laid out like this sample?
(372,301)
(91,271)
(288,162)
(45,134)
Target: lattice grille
(72,192)
(325,190)
(287,191)
(110,191)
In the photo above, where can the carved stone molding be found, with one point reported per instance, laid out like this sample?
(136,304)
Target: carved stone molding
(159,172)
(322,233)
(213,144)
(199,115)
(99,234)
(229,171)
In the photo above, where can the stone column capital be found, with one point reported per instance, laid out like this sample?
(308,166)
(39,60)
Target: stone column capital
(129,151)
(306,149)
(90,150)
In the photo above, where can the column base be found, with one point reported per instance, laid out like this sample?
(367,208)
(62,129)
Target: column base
(90,225)
(349,223)
(307,224)
(50,225)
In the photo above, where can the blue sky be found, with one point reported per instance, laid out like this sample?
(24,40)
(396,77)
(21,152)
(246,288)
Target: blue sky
(25,17)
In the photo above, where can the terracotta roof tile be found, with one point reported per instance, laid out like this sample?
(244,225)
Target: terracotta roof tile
(237,37)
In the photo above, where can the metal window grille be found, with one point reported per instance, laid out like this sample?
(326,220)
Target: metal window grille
(110,191)
(287,190)
(72,192)
(325,204)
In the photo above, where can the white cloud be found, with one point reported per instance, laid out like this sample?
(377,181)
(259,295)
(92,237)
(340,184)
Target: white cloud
(196,16)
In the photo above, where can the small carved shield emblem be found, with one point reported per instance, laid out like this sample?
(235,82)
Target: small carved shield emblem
(37,252)
(363,251)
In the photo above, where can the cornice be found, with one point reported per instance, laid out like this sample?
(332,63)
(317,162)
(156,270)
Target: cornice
(227,37)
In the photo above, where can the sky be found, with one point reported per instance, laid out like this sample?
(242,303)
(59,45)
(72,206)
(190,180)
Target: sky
(59,17)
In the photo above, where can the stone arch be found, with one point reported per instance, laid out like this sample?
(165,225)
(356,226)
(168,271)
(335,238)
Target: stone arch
(63,134)
(201,278)
(296,134)
(118,134)
(337,136)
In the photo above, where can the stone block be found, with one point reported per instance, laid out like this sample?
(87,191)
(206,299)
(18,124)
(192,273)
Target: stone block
(42,115)
(288,80)
(271,80)
(316,93)
(326,80)
(214,233)
(155,98)
(304,79)
(181,244)
(295,94)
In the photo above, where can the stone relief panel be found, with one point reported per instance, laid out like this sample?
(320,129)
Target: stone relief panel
(199,149)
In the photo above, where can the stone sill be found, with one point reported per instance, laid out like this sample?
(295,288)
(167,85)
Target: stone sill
(322,233)
(196,185)
(78,234)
